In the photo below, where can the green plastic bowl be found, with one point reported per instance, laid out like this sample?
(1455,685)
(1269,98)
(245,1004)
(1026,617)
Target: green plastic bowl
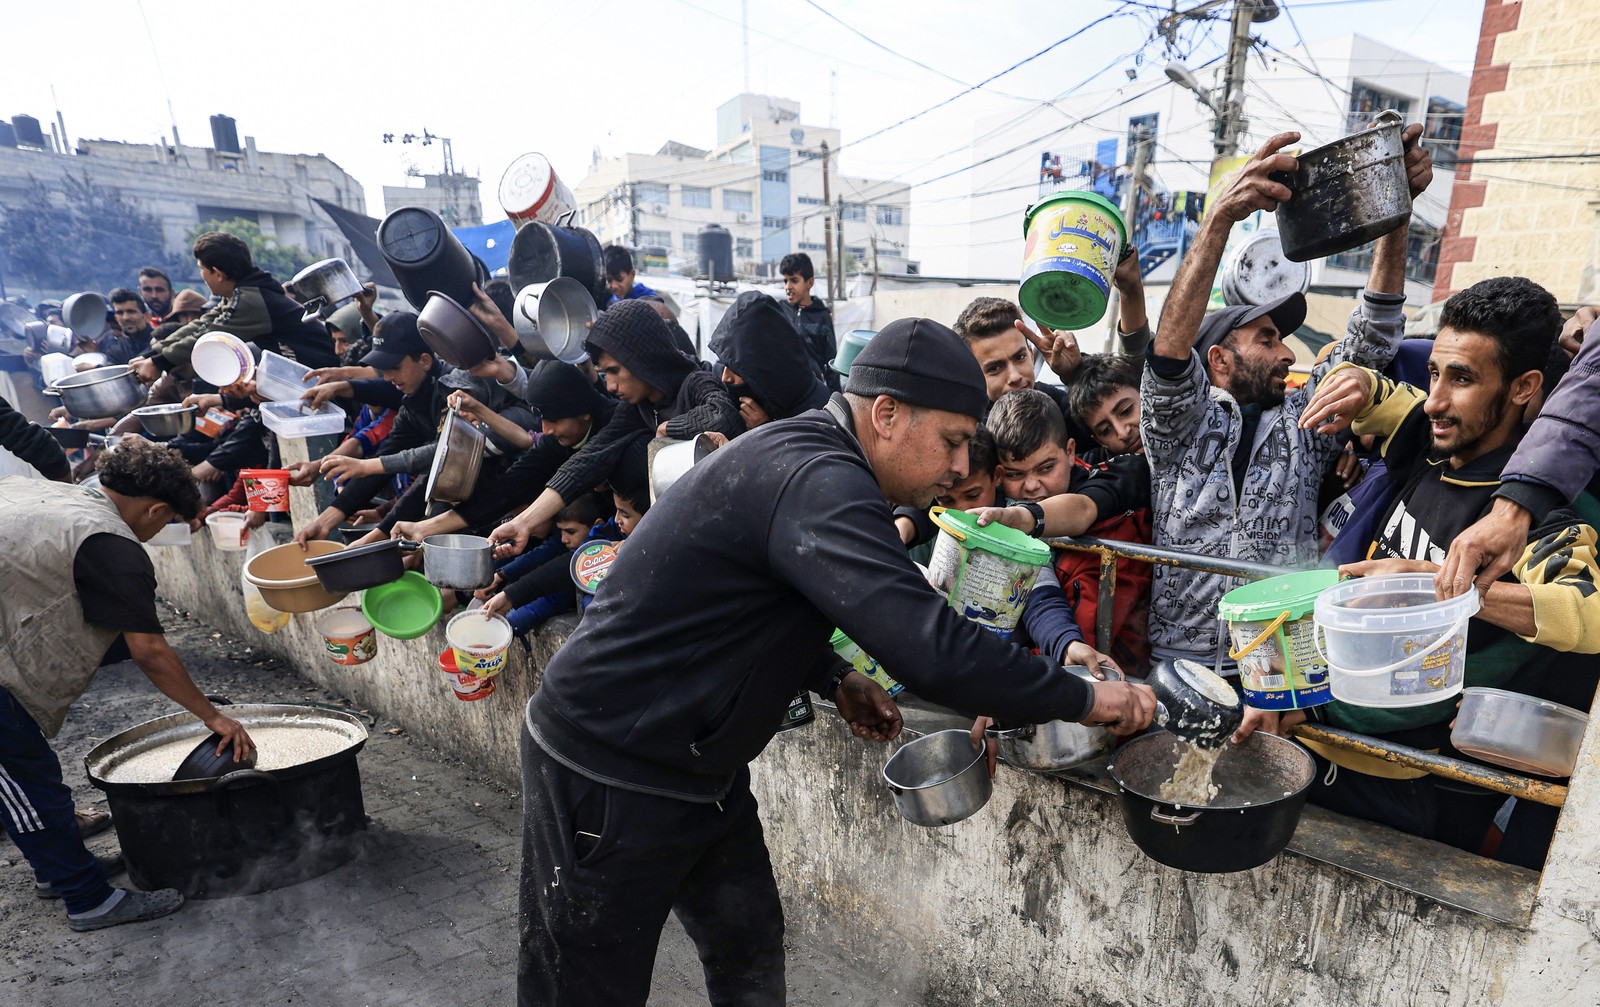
(403,609)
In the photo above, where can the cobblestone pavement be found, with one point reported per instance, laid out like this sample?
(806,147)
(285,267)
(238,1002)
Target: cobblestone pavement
(425,914)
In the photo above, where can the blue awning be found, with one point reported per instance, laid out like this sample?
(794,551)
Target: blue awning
(489,242)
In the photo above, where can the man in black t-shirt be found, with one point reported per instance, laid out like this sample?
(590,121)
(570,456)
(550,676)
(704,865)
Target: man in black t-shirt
(59,636)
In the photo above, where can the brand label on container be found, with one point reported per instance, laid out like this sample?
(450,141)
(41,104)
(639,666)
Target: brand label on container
(1284,671)
(591,562)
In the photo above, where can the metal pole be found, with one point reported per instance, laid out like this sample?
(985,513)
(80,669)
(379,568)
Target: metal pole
(827,220)
(1162,556)
(1107,603)
(1496,780)
(1230,120)
(838,239)
(1130,214)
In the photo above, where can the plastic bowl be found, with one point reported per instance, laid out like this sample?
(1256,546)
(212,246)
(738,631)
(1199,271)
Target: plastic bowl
(222,359)
(284,580)
(1520,732)
(403,609)
(280,379)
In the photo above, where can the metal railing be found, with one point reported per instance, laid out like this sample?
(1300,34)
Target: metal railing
(1110,551)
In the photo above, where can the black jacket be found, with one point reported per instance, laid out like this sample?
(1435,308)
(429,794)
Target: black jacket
(33,444)
(257,311)
(527,477)
(757,340)
(720,608)
(815,322)
(695,400)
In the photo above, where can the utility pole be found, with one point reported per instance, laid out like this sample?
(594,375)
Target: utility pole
(1130,214)
(838,237)
(633,218)
(874,239)
(827,220)
(1230,119)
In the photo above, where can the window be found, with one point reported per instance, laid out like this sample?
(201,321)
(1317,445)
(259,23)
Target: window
(775,175)
(857,252)
(744,248)
(662,238)
(737,199)
(894,216)
(1141,126)
(808,200)
(1442,130)
(812,246)
(651,192)
(774,223)
(695,196)
(691,243)
(1422,254)
(1366,102)
(855,211)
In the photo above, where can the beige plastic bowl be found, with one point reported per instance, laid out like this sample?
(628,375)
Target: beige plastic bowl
(286,583)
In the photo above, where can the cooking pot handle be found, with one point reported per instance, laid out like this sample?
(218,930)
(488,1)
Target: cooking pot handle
(406,545)
(51,390)
(1157,815)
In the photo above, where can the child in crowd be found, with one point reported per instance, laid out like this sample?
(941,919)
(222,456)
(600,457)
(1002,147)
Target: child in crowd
(979,489)
(535,586)
(1038,464)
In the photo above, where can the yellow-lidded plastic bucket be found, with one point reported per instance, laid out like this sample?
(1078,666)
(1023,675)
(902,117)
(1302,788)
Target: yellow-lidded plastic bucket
(1273,636)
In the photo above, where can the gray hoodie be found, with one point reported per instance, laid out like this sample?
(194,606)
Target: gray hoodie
(1190,430)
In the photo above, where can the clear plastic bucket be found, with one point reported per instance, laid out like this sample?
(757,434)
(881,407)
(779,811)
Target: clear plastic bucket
(227,529)
(1390,643)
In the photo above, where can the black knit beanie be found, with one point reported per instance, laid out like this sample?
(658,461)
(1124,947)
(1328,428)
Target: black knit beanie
(921,363)
(560,391)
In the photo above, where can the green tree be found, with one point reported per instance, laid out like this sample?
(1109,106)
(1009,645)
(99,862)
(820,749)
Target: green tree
(80,236)
(265,251)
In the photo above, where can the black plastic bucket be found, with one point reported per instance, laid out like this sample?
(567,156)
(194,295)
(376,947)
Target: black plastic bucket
(424,255)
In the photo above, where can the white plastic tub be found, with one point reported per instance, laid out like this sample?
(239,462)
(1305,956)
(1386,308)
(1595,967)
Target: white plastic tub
(1390,643)
(293,419)
(280,379)
(227,530)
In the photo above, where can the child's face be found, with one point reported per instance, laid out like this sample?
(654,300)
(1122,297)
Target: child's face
(1045,473)
(627,517)
(797,288)
(1115,422)
(976,490)
(572,533)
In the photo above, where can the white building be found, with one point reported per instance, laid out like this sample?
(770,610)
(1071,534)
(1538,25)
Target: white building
(1325,90)
(453,196)
(763,181)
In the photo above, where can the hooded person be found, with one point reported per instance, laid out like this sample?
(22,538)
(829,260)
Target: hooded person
(662,392)
(765,362)
(715,614)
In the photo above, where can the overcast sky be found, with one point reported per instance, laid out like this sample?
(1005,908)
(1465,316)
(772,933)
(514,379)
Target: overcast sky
(617,75)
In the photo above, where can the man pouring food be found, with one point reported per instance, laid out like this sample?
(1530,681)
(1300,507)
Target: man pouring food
(635,749)
(77,590)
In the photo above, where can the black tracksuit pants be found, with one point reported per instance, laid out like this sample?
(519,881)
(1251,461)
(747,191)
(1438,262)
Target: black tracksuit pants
(602,867)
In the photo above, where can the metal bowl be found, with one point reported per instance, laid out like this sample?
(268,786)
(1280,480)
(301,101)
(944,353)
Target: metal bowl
(939,779)
(100,394)
(166,421)
(1520,732)
(456,460)
(452,333)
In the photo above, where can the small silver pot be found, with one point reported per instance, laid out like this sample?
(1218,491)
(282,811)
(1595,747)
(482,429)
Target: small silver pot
(323,286)
(669,459)
(459,562)
(456,460)
(1057,744)
(166,421)
(552,319)
(100,394)
(939,778)
(85,314)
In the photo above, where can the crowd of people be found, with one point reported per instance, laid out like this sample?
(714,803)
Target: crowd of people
(1452,454)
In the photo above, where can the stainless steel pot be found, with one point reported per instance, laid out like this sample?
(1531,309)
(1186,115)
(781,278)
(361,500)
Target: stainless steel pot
(939,778)
(453,334)
(552,319)
(456,460)
(459,562)
(85,314)
(100,394)
(669,459)
(1057,744)
(166,421)
(1346,193)
(323,286)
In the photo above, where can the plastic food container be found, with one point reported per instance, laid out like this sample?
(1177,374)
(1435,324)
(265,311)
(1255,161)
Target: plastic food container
(1519,732)
(222,359)
(348,636)
(267,490)
(1273,638)
(227,530)
(984,573)
(479,642)
(403,609)
(175,533)
(1389,643)
(284,580)
(1074,239)
(280,379)
(293,419)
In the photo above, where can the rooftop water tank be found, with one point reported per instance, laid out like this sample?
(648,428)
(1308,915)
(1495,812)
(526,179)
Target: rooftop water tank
(716,252)
(28,133)
(225,134)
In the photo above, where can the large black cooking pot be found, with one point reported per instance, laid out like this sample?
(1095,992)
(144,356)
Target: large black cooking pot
(425,255)
(246,832)
(1263,790)
(1346,193)
(541,252)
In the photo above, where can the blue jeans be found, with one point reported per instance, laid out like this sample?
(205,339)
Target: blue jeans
(36,808)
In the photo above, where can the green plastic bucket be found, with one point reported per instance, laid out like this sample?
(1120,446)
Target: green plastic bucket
(984,573)
(1273,636)
(863,662)
(1074,241)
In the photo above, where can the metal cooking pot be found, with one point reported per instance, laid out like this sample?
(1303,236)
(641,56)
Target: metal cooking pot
(166,421)
(248,831)
(461,562)
(939,778)
(541,252)
(456,460)
(1192,703)
(360,567)
(552,319)
(85,314)
(1346,193)
(100,394)
(323,286)
(669,459)
(452,333)
(1057,744)
(1263,790)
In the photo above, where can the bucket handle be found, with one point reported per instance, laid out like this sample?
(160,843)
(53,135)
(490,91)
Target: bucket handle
(934,513)
(1272,628)
(1176,821)
(1390,669)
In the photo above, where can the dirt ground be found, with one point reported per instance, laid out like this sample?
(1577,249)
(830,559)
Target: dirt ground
(425,914)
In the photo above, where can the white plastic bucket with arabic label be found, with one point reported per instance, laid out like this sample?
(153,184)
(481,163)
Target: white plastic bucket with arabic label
(1389,642)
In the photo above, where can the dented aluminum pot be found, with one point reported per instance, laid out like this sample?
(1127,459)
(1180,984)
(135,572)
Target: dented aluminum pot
(1346,193)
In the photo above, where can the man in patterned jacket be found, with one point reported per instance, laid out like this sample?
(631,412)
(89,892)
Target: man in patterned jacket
(1233,474)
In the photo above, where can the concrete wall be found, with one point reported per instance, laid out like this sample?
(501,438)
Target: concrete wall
(1040,898)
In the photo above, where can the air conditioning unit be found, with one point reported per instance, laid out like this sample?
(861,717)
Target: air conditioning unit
(658,209)
(744,218)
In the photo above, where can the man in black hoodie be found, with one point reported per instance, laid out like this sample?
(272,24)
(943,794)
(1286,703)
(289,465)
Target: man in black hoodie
(662,392)
(253,307)
(718,610)
(765,363)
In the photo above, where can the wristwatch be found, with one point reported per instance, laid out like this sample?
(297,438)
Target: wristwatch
(1038,516)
